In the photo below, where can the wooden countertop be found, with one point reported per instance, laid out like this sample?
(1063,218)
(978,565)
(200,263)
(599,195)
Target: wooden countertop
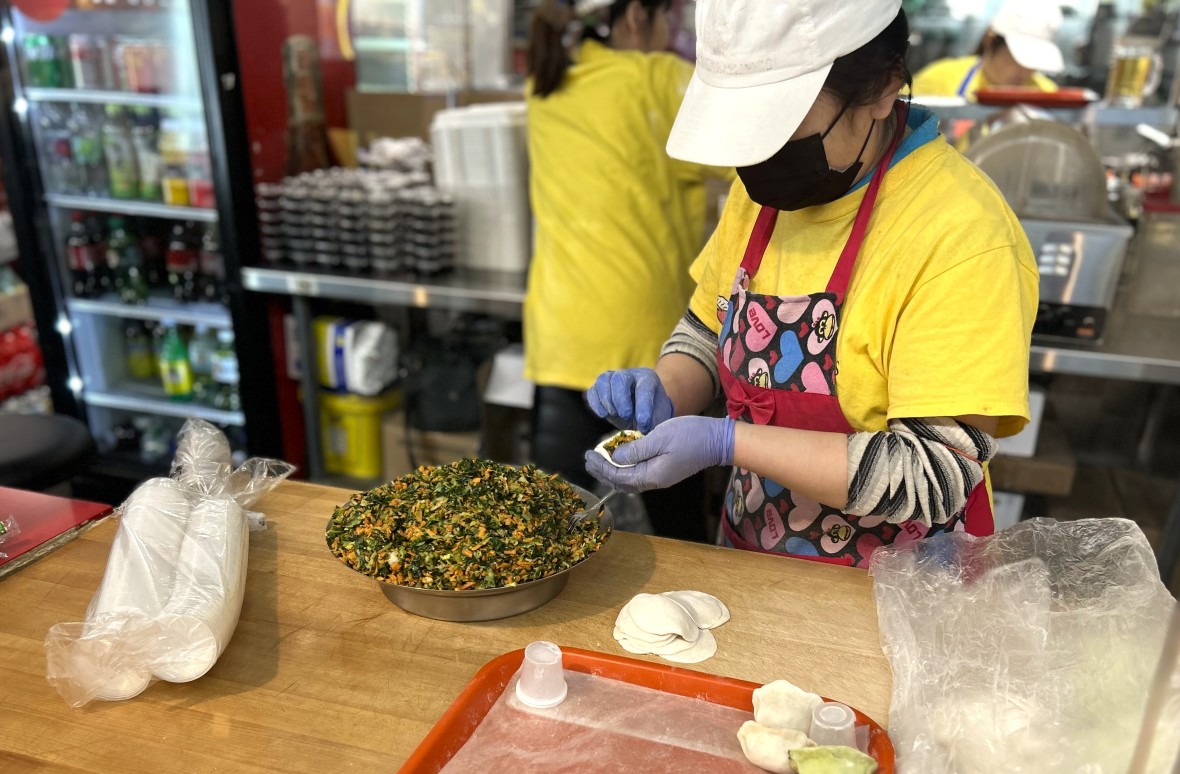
(324,674)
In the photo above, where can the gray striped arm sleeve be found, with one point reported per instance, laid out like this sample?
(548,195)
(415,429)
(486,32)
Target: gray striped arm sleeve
(693,338)
(920,469)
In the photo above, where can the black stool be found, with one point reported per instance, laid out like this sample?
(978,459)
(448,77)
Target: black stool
(38,452)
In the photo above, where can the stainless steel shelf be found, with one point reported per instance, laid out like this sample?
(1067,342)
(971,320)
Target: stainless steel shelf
(130,99)
(131,207)
(213,315)
(462,290)
(140,401)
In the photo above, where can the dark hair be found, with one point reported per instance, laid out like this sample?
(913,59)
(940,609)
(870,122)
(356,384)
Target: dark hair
(861,77)
(990,43)
(556,28)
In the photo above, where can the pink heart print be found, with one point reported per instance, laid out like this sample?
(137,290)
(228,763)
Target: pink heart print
(836,533)
(804,514)
(773,532)
(823,326)
(813,379)
(756,496)
(790,310)
(761,330)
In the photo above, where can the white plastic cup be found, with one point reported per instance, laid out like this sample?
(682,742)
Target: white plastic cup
(542,681)
(833,724)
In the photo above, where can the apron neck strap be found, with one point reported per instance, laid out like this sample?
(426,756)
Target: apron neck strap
(842,275)
(767,216)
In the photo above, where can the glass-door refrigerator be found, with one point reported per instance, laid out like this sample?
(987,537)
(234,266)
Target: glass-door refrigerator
(128,173)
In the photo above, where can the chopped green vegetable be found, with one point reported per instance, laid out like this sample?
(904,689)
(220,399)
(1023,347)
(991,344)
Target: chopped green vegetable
(473,524)
(620,438)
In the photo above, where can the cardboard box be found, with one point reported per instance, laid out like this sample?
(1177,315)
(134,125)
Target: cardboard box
(430,448)
(386,114)
(15,308)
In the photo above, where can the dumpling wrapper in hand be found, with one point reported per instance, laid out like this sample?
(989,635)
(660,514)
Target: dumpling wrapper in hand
(782,704)
(832,760)
(770,748)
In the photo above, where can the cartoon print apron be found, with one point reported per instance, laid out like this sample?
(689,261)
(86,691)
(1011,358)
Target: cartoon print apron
(777,360)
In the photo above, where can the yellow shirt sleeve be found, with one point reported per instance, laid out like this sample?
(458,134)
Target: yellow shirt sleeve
(961,342)
(712,273)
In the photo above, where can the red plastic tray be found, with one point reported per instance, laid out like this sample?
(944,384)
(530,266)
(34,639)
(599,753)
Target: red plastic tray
(465,714)
(1062,98)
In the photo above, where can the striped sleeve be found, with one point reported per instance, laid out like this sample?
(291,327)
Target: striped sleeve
(922,469)
(693,338)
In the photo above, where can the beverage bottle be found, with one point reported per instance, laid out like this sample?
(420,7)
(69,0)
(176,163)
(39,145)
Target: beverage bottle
(103,276)
(201,350)
(64,64)
(182,263)
(156,333)
(31,50)
(120,152)
(225,373)
(174,150)
(213,268)
(140,360)
(153,242)
(175,371)
(61,173)
(86,145)
(83,258)
(125,260)
(145,136)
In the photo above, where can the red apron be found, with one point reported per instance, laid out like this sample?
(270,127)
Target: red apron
(778,366)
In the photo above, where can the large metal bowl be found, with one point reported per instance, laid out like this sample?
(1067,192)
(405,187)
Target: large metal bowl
(488,604)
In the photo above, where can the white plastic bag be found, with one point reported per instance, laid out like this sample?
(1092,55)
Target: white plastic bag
(170,598)
(8,529)
(1029,651)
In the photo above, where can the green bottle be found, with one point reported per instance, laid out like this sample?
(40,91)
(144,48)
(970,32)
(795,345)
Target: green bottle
(125,262)
(175,371)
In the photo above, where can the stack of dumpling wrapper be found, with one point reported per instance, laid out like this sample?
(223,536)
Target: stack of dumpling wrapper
(776,739)
(674,625)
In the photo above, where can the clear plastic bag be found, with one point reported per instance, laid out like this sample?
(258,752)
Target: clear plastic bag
(170,598)
(1032,650)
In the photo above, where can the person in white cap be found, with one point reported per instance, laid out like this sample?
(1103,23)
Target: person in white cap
(1014,53)
(613,215)
(863,310)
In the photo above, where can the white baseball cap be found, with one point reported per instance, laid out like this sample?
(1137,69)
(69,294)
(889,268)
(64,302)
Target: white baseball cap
(1028,27)
(761,64)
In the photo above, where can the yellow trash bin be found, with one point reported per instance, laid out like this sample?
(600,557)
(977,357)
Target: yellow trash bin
(350,426)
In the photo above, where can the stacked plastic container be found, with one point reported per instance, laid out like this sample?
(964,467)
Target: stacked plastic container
(481,160)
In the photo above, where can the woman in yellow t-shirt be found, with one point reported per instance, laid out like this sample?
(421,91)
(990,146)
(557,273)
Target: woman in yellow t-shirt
(618,222)
(864,308)
(1014,53)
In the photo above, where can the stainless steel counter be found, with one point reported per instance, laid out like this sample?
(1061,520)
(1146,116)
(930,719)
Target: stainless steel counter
(462,290)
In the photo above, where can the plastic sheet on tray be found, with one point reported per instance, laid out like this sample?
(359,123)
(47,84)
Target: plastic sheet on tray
(1032,650)
(606,726)
(172,591)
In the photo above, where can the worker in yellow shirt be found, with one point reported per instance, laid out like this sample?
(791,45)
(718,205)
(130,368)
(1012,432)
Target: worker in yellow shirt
(618,222)
(864,307)
(1014,53)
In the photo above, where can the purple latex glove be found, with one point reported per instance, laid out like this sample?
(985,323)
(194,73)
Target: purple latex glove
(672,452)
(633,399)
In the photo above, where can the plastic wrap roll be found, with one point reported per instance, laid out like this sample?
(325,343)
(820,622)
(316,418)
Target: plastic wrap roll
(199,619)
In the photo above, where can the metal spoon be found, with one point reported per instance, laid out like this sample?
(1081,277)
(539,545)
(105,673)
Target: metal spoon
(594,509)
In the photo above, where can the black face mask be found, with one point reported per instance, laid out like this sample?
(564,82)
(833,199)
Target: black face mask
(798,175)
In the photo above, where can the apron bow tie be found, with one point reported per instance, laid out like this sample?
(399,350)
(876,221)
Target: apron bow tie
(746,398)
